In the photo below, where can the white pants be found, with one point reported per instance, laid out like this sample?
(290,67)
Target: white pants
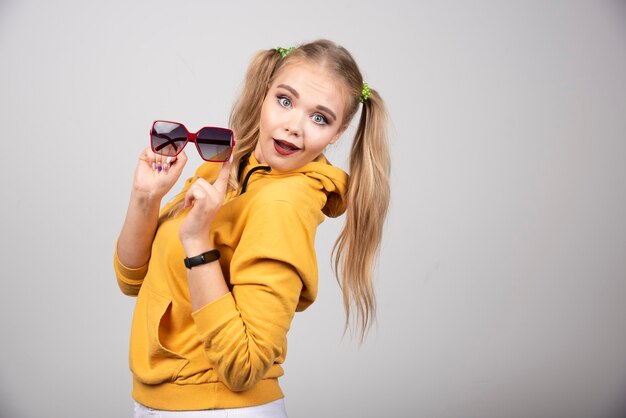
(275,409)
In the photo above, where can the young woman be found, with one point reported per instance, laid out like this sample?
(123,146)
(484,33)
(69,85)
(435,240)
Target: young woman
(211,336)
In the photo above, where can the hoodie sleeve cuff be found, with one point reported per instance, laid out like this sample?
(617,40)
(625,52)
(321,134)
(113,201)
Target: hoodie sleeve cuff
(129,279)
(129,273)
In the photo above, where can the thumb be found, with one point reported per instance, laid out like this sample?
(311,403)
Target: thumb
(221,183)
(178,163)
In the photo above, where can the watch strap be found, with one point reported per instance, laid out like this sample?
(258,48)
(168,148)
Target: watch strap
(203,258)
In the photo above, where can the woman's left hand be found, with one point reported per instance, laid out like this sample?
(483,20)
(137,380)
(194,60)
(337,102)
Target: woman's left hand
(205,200)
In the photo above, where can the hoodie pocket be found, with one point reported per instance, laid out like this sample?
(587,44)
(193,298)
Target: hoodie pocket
(150,361)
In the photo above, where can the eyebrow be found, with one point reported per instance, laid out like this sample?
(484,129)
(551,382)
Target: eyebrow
(291,90)
(320,107)
(327,110)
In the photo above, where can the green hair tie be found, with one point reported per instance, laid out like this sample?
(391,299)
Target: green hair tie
(284,51)
(366,92)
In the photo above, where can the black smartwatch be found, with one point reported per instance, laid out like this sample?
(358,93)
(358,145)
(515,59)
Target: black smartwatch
(202,259)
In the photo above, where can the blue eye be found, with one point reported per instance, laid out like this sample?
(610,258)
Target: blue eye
(320,119)
(284,101)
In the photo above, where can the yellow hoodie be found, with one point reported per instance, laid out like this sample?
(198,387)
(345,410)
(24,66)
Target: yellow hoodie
(229,353)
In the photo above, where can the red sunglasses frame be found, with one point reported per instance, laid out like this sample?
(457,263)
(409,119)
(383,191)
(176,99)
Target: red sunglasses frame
(192,137)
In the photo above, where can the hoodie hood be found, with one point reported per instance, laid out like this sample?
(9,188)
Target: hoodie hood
(332,180)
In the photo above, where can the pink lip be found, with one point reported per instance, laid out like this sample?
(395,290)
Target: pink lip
(285,147)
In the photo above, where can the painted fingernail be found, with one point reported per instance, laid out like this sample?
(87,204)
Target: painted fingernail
(168,160)
(166,167)
(159,167)
(153,166)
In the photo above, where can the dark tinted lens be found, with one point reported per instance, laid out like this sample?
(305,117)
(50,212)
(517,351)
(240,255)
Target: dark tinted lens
(215,144)
(168,138)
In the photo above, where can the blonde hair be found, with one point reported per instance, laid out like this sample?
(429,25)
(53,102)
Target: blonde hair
(356,249)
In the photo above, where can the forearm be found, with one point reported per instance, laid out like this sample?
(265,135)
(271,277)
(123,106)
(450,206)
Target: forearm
(135,241)
(244,331)
(206,282)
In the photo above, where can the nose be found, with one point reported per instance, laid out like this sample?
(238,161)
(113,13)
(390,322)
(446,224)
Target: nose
(293,124)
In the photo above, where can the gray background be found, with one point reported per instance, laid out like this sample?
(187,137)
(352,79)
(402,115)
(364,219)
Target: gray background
(501,282)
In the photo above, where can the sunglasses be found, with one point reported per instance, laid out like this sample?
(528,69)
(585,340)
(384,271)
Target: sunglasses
(213,144)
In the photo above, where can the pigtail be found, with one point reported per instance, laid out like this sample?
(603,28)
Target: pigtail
(357,247)
(246,112)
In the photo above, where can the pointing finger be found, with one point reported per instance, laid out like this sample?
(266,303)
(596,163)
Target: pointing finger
(221,183)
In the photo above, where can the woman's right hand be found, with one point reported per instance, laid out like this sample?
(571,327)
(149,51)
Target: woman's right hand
(155,175)
(134,244)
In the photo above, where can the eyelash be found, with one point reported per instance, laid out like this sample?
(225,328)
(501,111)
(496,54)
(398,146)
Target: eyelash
(324,120)
(281,100)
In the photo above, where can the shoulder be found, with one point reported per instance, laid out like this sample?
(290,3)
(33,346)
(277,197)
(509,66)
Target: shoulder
(276,212)
(295,188)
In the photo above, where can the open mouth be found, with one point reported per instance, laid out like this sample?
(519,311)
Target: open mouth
(284,147)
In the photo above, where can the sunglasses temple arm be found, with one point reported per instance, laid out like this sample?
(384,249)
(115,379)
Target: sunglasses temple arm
(166,143)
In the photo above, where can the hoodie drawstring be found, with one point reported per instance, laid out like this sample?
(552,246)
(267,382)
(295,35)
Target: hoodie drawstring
(265,168)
